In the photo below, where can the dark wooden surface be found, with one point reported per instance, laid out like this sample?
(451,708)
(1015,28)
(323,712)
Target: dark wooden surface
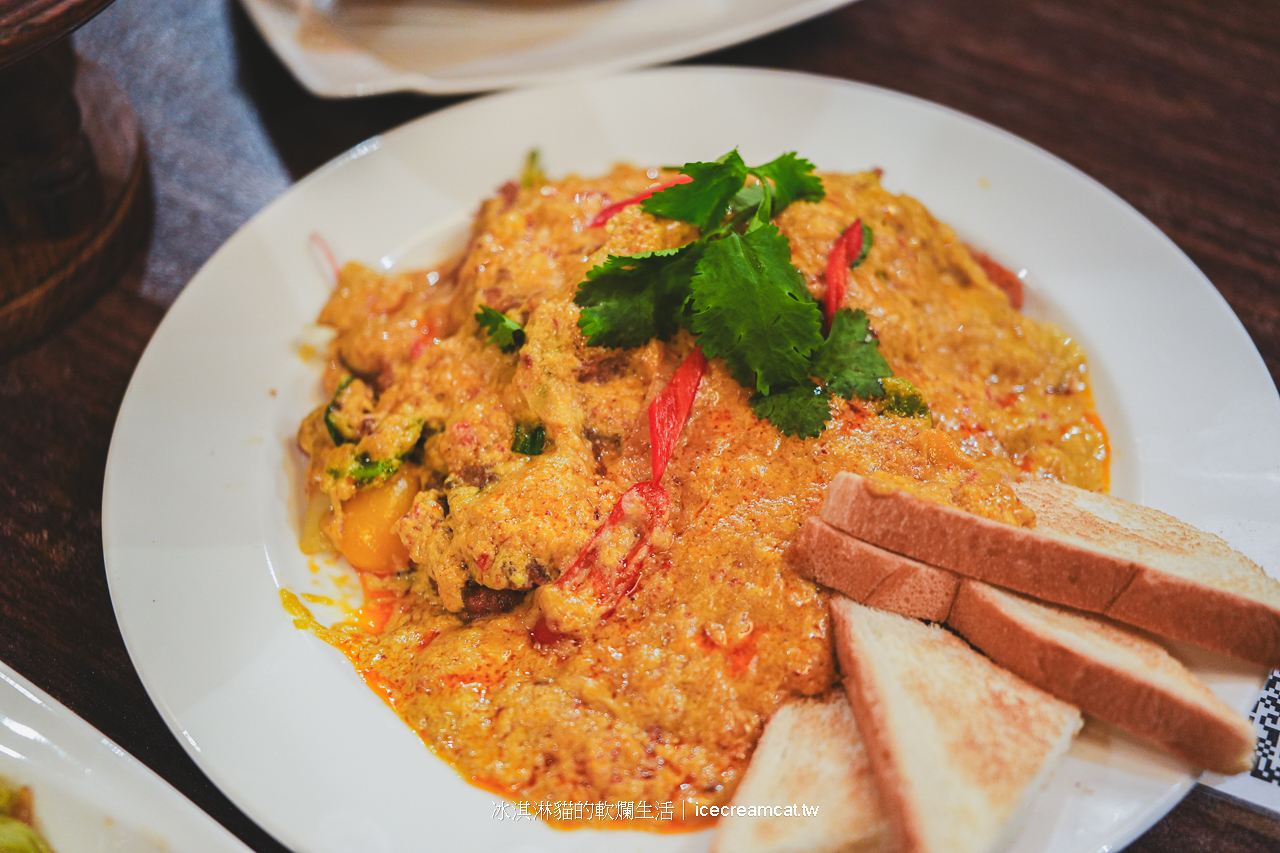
(1173,104)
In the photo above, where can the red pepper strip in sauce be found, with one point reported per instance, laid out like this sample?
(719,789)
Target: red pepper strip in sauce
(321,245)
(847,245)
(614,555)
(1001,276)
(669,411)
(609,212)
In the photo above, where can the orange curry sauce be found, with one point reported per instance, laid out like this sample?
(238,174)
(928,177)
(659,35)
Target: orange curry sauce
(662,699)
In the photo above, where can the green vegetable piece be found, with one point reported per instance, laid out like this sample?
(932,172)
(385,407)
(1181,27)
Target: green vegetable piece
(366,470)
(849,360)
(867,238)
(505,332)
(793,180)
(331,414)
(532,175)
(628,300)
(529,441)
(801,410)
(903,398)
(17,837)
(747,199)
(705,200)
(750,307)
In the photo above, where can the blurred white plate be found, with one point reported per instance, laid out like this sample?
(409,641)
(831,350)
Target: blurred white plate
(200,505)
(346,48)
(90,795)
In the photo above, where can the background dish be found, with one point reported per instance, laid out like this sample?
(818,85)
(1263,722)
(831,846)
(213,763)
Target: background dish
(198,514)
(363,47)
(90,795)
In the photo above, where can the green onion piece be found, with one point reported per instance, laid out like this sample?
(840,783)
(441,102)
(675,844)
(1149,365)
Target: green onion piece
(334,432)
(366,470)
(533,175)
(529,441)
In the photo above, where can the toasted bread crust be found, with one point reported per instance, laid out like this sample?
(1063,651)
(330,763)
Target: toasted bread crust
(811,753)
(1087,551)
(1105,669)
(861,683)
(872,575)
(1013,557)
(1217,619)
(1108,671)
(957,744)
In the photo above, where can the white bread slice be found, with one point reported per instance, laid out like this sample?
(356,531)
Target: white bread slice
(810,754)
(1106,670)
(958,745)
(1103,668)
(1088,551)
(872,575)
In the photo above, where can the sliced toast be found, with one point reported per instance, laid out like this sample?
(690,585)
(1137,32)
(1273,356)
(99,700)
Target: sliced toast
(957,744)
(1088,551)
(1106,670)
(871,575)
(811,755)
(1103,668)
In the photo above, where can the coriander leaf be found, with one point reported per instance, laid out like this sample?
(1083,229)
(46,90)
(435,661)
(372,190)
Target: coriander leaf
(764,211)
(801,410)
(849,360)
(503,331)
(631,298)
(748,198)
(704,200)
(903,398)
(750,307)
(793,180)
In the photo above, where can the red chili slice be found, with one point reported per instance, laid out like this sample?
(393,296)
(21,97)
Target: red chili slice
(613,558)
(609,212)
(1001,276)
(614,555)
(669,411)
(848,245)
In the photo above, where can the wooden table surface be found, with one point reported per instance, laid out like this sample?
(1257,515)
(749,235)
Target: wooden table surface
(1172,104)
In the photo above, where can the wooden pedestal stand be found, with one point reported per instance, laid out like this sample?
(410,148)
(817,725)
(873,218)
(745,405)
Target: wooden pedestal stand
(74,191)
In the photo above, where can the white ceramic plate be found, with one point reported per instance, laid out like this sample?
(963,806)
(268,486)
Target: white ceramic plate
(200,506)
(346,48)
(90,795)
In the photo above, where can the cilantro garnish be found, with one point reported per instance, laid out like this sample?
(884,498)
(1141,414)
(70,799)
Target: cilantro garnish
(801,410)
(849,360)
(629,299)
(737,291)
(704,200)
(505,332)
(751,309)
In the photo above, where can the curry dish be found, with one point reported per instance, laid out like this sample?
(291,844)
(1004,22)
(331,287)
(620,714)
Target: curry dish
(459,539)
